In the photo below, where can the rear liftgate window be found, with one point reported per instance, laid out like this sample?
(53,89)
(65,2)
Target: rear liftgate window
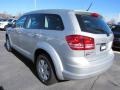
(93,24)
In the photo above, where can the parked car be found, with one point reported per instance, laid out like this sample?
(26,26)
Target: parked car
(63,44)
(5,22)
(1,19)
(116,31)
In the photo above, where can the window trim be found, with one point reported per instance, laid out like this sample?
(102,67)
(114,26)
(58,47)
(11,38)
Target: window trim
(44,14)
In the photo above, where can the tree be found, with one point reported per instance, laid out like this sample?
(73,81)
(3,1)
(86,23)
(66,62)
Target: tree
(112,21)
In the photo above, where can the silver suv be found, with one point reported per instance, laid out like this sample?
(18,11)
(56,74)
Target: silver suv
(63,44)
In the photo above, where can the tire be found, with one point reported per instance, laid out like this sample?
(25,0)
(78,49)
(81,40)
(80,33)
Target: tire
(45,70)
(5,28)
(8,46)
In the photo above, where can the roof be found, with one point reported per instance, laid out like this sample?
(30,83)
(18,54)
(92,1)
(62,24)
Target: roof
(57,11)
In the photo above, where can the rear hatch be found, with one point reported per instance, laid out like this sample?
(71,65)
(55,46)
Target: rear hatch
(92,25)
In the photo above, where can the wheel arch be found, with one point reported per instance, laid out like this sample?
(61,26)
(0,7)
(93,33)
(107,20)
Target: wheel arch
(51,52)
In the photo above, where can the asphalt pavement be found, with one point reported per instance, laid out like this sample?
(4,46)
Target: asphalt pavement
(17,73)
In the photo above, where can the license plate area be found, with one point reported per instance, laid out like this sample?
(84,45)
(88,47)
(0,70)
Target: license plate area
(103,47)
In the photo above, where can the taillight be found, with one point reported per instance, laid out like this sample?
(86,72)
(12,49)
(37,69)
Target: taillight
(79,42)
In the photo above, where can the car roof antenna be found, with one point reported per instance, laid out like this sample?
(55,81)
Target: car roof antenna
(90,5)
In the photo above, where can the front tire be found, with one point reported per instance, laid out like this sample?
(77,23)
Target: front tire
(45,70)
(5,28)
(8,45)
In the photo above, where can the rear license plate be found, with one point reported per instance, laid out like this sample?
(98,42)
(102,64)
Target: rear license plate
(103,47)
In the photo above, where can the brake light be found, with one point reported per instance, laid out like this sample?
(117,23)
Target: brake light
(94,14)
(79,42)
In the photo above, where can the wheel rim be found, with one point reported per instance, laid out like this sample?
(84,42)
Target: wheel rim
(8,44)
(43,70)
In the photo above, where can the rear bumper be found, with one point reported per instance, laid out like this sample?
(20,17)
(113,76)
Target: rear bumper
(90,69)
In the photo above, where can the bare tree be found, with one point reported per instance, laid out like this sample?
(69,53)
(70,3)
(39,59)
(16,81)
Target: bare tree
(18,15)
(112,21)
(5,15)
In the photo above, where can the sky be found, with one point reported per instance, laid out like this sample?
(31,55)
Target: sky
(107,8)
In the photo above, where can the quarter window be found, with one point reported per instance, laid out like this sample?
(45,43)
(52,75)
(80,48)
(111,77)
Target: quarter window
(53,22)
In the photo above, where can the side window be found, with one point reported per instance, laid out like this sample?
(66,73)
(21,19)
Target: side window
(53,22)
(20,22)
(35,21)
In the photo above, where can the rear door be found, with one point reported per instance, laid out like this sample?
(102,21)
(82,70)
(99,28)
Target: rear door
(93,25)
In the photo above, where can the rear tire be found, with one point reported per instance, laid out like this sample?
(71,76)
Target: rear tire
(45,70)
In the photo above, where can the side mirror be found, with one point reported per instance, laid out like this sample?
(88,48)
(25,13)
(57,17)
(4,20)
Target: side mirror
(11,25)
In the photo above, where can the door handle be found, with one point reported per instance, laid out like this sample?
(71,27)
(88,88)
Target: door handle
(37,35)
(31,35)
(19,32)
(34,35)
